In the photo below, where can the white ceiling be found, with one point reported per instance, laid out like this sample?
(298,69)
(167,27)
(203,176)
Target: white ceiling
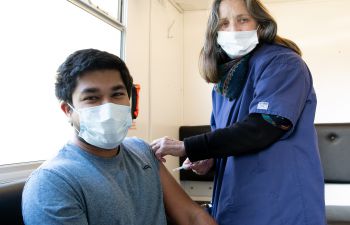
(189,5)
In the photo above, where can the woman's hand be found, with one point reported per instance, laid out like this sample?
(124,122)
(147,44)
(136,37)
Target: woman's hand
(167,146)
(201,167)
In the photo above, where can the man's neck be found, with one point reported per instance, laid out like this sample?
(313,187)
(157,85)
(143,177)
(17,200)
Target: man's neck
(95,150)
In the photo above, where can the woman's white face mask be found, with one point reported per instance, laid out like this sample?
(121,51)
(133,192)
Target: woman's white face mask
(237,43)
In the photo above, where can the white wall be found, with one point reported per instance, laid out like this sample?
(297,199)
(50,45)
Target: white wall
(137,59)
(321,28)
(154,55)
(197,93)
(166,72)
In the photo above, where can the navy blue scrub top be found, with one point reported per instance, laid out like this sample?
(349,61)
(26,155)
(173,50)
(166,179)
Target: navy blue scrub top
(282,184)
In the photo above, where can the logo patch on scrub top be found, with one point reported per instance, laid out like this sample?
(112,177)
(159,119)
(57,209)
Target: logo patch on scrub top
(263,105)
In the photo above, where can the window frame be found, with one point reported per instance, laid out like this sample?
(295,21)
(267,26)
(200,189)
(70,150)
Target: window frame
(118,23)
(10,173)
(17,171)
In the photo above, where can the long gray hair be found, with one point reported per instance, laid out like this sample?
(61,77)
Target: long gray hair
(267,32)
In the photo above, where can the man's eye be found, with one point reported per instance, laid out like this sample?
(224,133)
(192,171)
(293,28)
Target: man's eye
(90,98)
(117,94)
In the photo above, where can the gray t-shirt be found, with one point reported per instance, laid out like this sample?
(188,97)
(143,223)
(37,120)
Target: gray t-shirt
(77,187)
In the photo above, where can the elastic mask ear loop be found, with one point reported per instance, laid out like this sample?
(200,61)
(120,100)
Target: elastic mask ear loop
(76,112)
(72,108)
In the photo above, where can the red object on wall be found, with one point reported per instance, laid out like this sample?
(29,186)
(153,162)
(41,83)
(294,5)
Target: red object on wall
(135,100)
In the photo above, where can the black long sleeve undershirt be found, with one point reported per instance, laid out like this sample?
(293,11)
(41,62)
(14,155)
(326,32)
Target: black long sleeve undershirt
(251,135)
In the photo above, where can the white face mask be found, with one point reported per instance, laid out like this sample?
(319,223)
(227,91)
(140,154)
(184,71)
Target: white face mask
(237,43)
(104,126)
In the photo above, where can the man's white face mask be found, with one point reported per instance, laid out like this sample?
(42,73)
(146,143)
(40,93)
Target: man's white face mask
(237,43)
(104,126)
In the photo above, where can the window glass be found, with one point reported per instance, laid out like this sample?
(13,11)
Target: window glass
(36,37)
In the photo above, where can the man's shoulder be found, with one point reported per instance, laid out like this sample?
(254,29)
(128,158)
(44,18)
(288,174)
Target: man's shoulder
(65,163)
(65,157)
(137,147)
(135,144)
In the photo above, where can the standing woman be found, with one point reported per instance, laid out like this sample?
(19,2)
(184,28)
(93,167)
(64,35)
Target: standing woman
(263,142)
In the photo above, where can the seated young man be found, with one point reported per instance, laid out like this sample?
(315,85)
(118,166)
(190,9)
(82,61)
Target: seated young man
(100,177)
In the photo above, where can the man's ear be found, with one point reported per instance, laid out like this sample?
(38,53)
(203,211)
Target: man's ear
(66,109)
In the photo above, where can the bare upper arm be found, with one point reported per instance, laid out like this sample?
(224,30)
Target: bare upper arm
(178,205)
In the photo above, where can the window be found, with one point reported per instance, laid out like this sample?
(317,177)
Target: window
(36,37)
(109,7)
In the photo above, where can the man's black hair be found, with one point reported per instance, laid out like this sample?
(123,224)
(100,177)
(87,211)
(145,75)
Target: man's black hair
(83,61)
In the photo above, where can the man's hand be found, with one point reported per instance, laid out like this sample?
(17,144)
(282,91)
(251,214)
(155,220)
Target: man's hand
(167,146)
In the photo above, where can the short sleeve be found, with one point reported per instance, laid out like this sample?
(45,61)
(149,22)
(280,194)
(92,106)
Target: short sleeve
(49,199)
(142,149)
(152,156)
(212,117)
(212,122)
(282,88)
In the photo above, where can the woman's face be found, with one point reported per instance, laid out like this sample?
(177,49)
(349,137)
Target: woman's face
(234,16)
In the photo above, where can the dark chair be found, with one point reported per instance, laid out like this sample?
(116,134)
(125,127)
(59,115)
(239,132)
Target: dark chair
(334,145)
(188,131)
(10,203)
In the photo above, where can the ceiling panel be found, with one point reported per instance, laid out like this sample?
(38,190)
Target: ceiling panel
(190,5)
